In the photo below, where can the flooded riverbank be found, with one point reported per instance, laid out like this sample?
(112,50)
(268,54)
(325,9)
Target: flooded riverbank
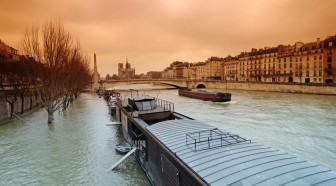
(78,149)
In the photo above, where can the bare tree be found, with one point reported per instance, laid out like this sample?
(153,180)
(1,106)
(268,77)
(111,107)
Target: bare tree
(62,64)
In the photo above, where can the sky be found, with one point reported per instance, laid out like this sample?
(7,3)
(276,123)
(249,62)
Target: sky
(151,34)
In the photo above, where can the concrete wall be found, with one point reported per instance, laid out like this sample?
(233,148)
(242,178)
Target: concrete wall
(5,107)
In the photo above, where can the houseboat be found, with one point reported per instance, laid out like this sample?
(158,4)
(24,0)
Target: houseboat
(174,149)
(204,95)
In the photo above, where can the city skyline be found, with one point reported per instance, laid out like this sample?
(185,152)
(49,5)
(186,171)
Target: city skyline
(154,33)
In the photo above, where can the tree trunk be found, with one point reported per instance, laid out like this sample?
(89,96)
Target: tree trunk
(22,104)
(11,109)
(50,116)
(64,105)
(31,102)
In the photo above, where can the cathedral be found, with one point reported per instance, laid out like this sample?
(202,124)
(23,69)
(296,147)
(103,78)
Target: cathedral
(127,72)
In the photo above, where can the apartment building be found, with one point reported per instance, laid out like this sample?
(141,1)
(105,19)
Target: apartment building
(214,68)
(8,53)
(313,62)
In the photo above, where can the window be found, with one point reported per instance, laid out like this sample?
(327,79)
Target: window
(300,59)
(314,72)
(320,57)
(329,59)
(285,65)
(330,44)
(279,60)
(307,58)
(315,64)
(320,64)
(279,65)
(284,59)
(329,66)
(296,59)
(307,73)
(320,72)
(314,57)
(290,65)
(290,59)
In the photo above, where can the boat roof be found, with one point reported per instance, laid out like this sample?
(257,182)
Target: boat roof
(205,92)
(243,163)
(142,98)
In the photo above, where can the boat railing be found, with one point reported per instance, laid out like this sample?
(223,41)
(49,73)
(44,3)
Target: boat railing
(166,105)
(139,144)
(213,138)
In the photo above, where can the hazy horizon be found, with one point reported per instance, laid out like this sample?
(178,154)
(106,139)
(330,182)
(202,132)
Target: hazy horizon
(151,34)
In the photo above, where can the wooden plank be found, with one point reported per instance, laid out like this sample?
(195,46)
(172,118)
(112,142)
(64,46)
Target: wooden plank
(113,123)
(123,158)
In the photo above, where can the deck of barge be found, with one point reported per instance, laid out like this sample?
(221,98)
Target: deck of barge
(222,160)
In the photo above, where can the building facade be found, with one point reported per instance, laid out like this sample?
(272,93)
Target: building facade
(8,53)
(312,62)
(126,72)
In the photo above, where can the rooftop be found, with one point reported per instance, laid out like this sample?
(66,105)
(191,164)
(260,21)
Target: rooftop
(241,163)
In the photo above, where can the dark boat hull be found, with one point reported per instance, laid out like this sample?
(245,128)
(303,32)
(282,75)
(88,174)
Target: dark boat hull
(207,96)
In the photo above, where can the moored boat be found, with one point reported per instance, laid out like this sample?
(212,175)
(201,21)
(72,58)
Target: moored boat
(123,147)
(204,95)
(174,149)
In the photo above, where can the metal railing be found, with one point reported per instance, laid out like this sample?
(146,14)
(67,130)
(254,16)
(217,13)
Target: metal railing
(213,138)
(166,105)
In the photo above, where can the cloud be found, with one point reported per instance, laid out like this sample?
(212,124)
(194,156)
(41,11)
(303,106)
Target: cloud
(154,33)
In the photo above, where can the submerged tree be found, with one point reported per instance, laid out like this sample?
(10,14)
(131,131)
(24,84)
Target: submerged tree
(62,69)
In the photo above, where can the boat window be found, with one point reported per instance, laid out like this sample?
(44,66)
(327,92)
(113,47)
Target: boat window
(145,105)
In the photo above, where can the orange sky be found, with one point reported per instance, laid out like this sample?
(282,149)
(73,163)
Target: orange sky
(154,33)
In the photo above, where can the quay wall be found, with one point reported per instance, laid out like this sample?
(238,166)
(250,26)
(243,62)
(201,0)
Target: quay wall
(5,107)
(287,88)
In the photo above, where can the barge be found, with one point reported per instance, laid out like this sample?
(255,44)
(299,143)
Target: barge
(174,149)
(204,95)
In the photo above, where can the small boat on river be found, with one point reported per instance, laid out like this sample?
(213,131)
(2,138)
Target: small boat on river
(204,95)
(123,147)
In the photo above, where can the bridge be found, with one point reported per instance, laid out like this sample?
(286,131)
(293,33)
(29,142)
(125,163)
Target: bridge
(109,84)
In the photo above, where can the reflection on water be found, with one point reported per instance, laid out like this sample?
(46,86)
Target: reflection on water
(78,148)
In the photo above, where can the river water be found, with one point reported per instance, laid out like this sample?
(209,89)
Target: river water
(78,148)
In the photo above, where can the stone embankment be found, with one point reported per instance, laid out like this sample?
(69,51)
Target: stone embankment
(28,105)
(270,87)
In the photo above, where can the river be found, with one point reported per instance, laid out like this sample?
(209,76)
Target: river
(78,148)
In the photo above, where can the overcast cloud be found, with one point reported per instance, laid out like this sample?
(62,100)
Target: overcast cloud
(154,33)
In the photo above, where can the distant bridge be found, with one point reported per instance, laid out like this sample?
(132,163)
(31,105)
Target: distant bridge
(109,84)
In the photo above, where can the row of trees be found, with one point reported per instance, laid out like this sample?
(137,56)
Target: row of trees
(54,67)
